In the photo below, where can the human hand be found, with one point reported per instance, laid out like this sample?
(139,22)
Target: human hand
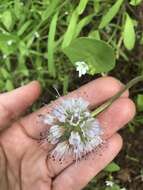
(23,162)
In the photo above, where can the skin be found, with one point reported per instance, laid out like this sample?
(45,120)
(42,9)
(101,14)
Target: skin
(23,161)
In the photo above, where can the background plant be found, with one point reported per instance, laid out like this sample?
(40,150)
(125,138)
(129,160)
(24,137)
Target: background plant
(37,38)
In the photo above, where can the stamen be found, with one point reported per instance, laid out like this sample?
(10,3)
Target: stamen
(74,130)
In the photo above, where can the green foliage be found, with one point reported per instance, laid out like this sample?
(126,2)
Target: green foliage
(140,102)
(6,19)
(129,33)
(42,39)
(110,14)
(112,167)
(98,55)
(114,187)
(71,29)
(135,2)
(33,35)
(51,45)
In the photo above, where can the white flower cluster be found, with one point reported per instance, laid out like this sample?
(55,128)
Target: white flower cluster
(73,129)
(81,67)
(109,183)
(112,184)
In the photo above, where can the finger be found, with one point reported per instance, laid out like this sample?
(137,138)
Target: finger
(13,103)
(116,116)
(79,174)
(111,120)
(94,92)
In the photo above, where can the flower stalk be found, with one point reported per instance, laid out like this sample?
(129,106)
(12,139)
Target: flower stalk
(116,96)
(74,129)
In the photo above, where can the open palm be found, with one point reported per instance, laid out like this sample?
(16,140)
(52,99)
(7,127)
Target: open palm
(23,161)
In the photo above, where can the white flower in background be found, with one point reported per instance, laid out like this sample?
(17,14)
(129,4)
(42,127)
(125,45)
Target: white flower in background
(109,183)
(81,67)
(9,43)
(5,56)
(66,13)
(73,129)
(123,188)
(37,35)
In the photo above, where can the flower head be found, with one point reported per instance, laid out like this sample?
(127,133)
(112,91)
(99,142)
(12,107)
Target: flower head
(109,183)
(9,43)
(73,129)
(81,67)
(37,35)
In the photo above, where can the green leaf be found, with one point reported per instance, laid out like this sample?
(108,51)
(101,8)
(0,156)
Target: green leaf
(7,19)
(82,23)
(8,43)
(18,8)
(97,54)
(70,30)
(24,27)
(51,45)
(81,7)
(4,73)
(110,14)
(9,85)
(23,48)
(65,84)
(129,33)
(112,167)
(94,34)
(135,2)
(53,5)
(140,102)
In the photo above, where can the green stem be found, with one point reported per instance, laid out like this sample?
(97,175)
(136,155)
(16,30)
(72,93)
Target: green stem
(115,97)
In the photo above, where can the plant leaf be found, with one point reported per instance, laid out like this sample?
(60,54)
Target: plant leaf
(129,33)
(70,30)
(112,167)
(140,102)
(4,40)
(9,85)
(51,45)
(94,34)
(82,23)
(24,27)
(110,14)
(81,7)
(7,19)
(53,5)
(97,54)
(135,2)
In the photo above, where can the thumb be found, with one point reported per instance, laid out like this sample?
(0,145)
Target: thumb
(13,103)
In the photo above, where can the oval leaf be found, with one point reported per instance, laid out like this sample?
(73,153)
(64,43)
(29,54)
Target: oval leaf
(97,54)
(7,19)
(112,167)
(140,102)
(129,33)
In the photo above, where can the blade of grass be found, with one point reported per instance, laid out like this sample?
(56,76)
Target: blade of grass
(70,30)
(65,84)
(51,45)
(110,14)
(24,27)
(50,9)
(82,23)
(81,7)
